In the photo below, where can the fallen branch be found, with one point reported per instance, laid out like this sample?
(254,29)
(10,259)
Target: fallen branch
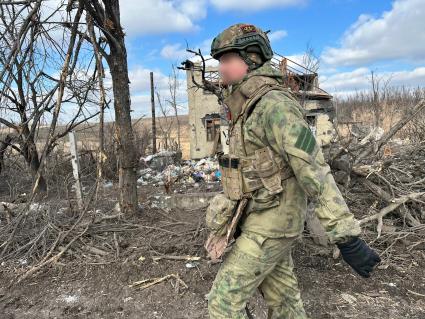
(170,257)
(378,191)
(391,207)
(415,293)
(153,281)
(374,146)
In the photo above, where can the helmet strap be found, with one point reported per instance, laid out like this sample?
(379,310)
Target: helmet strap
(251,64)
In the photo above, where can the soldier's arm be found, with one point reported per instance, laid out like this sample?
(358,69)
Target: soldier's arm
(289,135)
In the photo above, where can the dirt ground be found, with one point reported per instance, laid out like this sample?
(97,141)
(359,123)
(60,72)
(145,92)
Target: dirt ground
(78,287)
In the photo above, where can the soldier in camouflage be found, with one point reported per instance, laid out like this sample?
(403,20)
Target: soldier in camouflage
(275,162)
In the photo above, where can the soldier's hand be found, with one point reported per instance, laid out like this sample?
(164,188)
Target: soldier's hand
(359,256)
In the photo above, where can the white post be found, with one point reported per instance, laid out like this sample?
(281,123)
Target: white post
(76,168)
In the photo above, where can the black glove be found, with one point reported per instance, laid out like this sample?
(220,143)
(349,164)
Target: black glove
(359,256)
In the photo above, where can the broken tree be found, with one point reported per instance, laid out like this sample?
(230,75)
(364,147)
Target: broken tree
(106,17)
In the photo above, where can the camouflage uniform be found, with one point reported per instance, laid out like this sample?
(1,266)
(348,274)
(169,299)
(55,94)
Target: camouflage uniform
(268,127)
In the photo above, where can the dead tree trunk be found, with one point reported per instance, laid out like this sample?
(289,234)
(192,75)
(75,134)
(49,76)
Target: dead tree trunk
(30,153)
(106,16)
(124,130)
(102,100)
(3,147)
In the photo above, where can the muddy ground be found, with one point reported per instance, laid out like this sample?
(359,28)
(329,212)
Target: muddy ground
(83,285)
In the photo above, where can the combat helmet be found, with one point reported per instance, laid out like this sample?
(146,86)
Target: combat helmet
(243,39)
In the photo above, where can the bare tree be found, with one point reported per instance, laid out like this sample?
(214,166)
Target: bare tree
(310,60)
(28,82)
(102,98)
(173,87)
(165,122)
(379,87)
(106,18)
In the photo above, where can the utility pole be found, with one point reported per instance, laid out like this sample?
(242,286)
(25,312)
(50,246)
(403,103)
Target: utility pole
(153,116)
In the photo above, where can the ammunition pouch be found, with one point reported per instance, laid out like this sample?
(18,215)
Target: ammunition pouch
(219,213)
(242,176)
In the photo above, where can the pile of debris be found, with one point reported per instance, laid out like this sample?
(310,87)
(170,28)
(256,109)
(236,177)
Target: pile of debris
(383,182)
(395,183)
(166,168)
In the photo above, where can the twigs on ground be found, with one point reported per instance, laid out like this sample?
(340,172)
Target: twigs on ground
(383,182)
(395,204)
(146,283)
(170,257)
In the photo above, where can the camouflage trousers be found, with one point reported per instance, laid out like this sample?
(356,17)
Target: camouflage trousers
(257,261)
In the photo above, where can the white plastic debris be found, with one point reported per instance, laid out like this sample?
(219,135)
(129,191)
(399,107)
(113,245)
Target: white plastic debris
(70,298)
(108,185)
(190,265)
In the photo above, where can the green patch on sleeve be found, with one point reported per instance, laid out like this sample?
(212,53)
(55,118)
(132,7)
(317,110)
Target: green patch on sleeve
(306,141)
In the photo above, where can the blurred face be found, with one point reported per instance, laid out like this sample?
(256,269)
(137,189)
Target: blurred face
(232,68)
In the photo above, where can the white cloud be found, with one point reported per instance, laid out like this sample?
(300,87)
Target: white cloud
(140,89)
(140,79)
(209,61)
(343,81)
(277,35)
(160,16)
(359,79)
(254,5)
(195,9)
(397,34)
(297,58)
(205,45)
(175,52)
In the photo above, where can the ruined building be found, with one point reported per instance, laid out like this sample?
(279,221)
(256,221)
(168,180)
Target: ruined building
(208,129)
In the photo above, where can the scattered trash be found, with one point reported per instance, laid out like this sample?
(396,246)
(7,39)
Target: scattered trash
(34,207)
(348,298)
(188,172)
(108,185)
(70,298)
(62,210)
(23,262)
(191,265)
(161,160)
(117,208)
(128,299)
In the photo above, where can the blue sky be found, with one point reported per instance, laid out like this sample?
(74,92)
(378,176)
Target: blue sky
(351,38)
(320,23)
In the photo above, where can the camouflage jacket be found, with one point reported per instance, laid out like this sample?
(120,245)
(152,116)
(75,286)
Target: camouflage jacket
(277,121)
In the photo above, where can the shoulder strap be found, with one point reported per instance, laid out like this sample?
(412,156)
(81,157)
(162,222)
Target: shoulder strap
(252,102)
(255,98)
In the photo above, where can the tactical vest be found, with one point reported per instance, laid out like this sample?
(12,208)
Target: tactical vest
(244,173)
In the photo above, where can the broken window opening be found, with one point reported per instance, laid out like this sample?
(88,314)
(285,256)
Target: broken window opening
(312,123)
(212,126)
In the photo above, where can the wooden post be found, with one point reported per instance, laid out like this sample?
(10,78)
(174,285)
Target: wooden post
(153,115)
(76,168)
